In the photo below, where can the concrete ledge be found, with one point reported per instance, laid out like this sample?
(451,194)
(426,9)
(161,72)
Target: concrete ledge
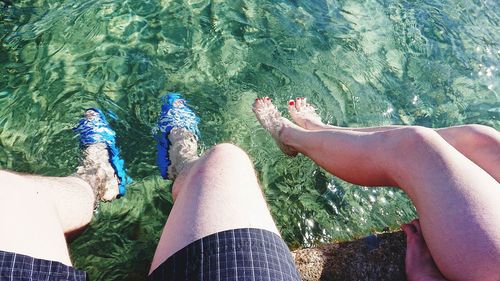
(375,257)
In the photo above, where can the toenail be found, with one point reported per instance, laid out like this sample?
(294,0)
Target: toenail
(267,98)
(291,102)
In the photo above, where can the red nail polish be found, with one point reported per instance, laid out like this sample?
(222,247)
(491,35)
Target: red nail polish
(267,98)
(291,102)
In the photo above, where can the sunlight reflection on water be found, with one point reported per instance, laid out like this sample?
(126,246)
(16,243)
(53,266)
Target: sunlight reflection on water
(430,63)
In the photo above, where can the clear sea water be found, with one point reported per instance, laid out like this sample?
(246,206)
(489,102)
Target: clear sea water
(363,63)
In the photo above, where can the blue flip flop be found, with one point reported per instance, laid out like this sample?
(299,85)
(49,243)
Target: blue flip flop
(97,130)
(175,113)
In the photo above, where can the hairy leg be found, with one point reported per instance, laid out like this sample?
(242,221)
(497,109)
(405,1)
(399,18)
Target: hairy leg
(481,144)
(217,192)
(35,213)
(453,196)
(72,198)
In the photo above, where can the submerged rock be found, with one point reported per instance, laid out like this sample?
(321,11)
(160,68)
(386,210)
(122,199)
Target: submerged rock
(375,257)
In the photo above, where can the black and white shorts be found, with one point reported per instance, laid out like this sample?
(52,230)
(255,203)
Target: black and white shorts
(238,254)
(17,267)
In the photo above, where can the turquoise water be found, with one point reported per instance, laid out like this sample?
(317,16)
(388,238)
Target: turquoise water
(363,63)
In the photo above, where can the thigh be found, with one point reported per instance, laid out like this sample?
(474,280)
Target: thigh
(456,200)
(30,224)
(219,192)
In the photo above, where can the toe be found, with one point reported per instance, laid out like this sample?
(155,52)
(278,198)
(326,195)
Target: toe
(112,190)
(410,230)
(91,114)
(307,106)
(413,235)
(269,103)
(310,108)
(258,103)
(298,103)
(255,104)
(416,224)
(291,107)
(266,100)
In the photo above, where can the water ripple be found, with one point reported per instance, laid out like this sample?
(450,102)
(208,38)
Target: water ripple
(427,62)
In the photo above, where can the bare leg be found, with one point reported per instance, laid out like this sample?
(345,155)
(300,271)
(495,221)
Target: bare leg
(218,192)
(419,263)
(36,213)
(457,201)
(481,144)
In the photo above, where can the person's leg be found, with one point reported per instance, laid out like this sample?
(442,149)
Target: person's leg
(35,213)
(456,200)
(218,192)
(481,144)
(220,227)
(72,197)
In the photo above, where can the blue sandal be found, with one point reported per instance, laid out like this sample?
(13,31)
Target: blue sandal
(97,130)
(175,113)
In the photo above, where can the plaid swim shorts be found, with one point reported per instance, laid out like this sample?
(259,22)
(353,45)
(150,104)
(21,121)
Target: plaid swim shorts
(238,254)
(17,267)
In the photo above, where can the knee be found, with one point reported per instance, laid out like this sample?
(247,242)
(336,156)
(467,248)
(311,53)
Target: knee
(222,157)
(228,151)
(481,135)
(11,180)
(409,140)
(17,186)
(221,164)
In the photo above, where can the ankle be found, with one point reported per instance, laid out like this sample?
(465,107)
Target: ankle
(318,125)
(288,133)
(180,180)
(98,173)
(183,151)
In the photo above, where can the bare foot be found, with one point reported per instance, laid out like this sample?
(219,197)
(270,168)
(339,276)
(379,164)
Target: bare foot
(270,118)
(419,263)
(182,152)
(304,114)
(96,169)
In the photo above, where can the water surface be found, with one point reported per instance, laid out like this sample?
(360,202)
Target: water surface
(363,63)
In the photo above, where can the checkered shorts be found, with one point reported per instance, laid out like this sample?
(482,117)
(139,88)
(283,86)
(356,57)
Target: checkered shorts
(238,254)
(17,267)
